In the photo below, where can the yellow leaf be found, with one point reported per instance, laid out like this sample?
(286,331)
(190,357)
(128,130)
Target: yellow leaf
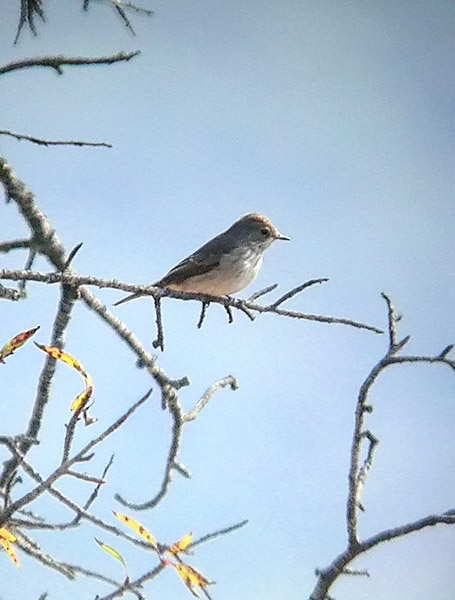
(137,527)
(81,400)
(113,552)
(9,551)
(191,577)
(17,341)
(182,544)
(4,533)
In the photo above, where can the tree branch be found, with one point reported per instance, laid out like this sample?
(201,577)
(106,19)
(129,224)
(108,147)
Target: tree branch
(59,61)
(158,292)
(41,142)
(358,472)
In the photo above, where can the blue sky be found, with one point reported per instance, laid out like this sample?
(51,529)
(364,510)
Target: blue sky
(336,120)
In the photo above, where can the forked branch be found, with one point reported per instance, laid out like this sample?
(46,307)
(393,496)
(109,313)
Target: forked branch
(359,470)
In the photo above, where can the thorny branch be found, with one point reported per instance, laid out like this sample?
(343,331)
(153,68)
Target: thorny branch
(358,470)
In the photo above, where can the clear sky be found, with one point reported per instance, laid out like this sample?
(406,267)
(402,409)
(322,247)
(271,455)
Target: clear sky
(334,119)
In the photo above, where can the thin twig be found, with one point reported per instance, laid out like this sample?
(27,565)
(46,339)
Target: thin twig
(130,586)
(57,62)
(204,306)
(9,293)
(63,468)
(29,9)
(262,292)
(133,7)
(15,244)
(220,532)
(95,492)
(201,403)
(297,290)
(244,308)
(71,255)
(159,342)
(42,142)
(28,265)
(177,425)
(27,545)
(85,477)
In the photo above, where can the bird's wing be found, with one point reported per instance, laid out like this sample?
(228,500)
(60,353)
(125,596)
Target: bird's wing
(206,258)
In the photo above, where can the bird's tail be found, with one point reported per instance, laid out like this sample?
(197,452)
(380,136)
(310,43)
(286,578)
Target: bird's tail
(127,299)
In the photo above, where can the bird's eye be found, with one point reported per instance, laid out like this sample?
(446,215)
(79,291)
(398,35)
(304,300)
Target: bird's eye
(265,231)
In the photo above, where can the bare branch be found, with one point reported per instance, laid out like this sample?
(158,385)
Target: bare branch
(154,572)
(356,572)
(48,243)
(32,549)
(133,7)
(204,306)
(95,492)
(245,309)
(367,464)
(71,255)
(154,291)
(45,485)
(57,62)
(220,532)
(15,245)
(262,292)
(221,383)
(358,472)
(9,293)
(177,426)
(132,585)
(389,534)
(85,477)
(28,265)
(42,142)
(29,9)
(179,420)
(159,342)
(61,322)
(70,571)
(297,290)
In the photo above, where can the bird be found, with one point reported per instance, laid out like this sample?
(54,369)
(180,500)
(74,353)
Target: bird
(224,265)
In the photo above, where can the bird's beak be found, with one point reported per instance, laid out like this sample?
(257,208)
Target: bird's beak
(280,236)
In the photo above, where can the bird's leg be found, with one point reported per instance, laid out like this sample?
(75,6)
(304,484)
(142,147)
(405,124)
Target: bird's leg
(205,305)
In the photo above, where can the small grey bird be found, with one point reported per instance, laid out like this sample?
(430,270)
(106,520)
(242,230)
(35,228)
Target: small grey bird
(224,265)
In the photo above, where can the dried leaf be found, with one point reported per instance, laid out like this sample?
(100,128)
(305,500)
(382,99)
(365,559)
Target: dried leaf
(9,551)
(182,544)
(4,533)
(17,341)
(137,527)
(81,400)
(191,577)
